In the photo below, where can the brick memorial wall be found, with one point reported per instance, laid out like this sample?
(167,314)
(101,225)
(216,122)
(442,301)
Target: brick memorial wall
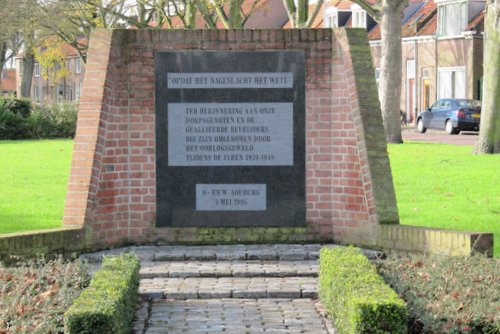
(319,171)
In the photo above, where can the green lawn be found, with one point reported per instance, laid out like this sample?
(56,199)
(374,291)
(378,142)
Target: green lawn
(33,178)
(436,185)
(447,187)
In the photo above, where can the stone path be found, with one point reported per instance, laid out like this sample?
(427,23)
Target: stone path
(235,316)
(228,289)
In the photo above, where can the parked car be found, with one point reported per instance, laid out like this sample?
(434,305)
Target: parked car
(452,115)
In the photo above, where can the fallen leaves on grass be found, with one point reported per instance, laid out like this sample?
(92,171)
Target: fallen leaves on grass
(447,294)
(34,296)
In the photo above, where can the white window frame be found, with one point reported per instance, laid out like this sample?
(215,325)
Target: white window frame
(453,84)
(78,91)
(37,93)
(358,17)
(377,80)
(331,18)
(78,66)
(457,27)
(36,70)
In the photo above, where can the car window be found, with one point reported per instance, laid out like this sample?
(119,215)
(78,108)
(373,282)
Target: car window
(469,103)
(437,105)
(446,104)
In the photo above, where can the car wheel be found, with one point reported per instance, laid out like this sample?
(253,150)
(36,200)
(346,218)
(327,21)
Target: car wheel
(450,129)
(420,126)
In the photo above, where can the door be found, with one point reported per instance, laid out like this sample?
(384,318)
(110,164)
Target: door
(426,94)
(410,116)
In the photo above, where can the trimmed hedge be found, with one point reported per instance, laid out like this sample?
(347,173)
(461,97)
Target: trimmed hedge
(107,305)
(355,296)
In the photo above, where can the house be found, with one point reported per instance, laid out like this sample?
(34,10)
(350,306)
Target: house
(49,89)
(8,82)
(442,44)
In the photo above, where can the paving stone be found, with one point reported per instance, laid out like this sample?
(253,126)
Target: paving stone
(235,316)
(237,287)
(228,269)
(228,288)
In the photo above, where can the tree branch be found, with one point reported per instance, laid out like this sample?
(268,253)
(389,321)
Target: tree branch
(292,10)
(219,8)
(315,13)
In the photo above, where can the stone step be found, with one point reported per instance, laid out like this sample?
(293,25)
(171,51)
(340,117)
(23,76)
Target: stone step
(233,316)
(228,287)
(242,268)
(285,252)
(238,252)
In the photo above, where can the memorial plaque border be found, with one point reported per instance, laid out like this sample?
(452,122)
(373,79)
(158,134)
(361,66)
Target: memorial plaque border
(176,184)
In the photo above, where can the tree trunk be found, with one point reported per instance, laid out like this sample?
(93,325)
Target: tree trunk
(390,68)
(28,66)
(3,50)
(489,134)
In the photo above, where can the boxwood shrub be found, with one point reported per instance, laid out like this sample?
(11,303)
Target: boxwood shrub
(355,296)
(107,305)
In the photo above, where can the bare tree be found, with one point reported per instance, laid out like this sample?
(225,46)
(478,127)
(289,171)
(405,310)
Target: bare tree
(298,12)
(489,134)
(231,13)
(388,14)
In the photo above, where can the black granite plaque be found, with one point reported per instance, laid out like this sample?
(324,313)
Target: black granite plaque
(230,138)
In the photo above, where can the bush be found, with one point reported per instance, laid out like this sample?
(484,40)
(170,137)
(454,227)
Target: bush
(15,105)
(13,118)
(447,294)
(107,305)
(35,295)
(19,120)
(53,121)
(355,296)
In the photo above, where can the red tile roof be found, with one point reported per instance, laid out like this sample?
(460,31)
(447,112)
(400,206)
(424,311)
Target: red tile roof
(477,23)
(8,80)
(429,28)
(70,51)
(413,24)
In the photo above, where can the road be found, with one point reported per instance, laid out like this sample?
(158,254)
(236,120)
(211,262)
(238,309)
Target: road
(435,136)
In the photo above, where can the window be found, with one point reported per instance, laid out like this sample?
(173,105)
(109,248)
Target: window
(37,93)
(358,18)
(69,93)
(37,70)
(410,69)
(78,91)
(452,19)
(377,80)
(451,83)
(60,93)
(78,66)
(331,18)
